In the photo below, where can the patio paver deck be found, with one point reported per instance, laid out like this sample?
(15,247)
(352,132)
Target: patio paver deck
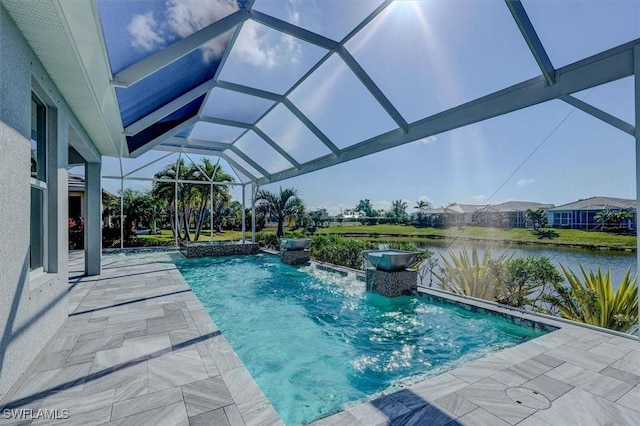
(139,349)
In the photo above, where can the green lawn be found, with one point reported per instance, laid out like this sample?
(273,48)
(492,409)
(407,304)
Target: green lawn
(572,237)
(546,236)
(166,235)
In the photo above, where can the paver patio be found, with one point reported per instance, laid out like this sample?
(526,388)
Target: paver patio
(138,348)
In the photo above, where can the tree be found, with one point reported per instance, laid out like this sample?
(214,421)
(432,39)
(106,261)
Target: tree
(612,218)
(538,218)
(281,206)
(219,193)
(522,281)
(193,199)
(399,209)
(364,207)
(422,204)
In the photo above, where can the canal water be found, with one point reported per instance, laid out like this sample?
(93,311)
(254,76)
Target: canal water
(617,261)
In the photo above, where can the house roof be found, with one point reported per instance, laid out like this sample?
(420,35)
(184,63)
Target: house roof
(597,203)
(76,183)
(278,92)
(463,208)
(438,210)
(518,206)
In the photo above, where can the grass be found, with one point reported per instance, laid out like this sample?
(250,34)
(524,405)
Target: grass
(167,236)
(546,236)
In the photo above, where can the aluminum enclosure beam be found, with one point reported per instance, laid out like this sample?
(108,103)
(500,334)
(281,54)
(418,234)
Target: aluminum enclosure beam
(177,50)
(206,151)
(163,137)
(250,161)
(294,30)
(249,90)
(636,67)
(602,68)
(199,143)
(314,129)
(339,48)
(533,41)
(275,146)
(599,114)
(168,109)
(225,122)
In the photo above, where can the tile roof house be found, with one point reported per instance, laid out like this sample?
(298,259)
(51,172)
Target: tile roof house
(507,215)
(581,214)
(460,214)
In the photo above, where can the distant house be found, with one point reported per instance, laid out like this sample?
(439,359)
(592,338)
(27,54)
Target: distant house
(76,196)
(76,199)
(507,215)
(581,214)
(460,214)
(433,217)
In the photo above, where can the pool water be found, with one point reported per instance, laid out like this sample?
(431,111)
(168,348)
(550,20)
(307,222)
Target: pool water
(315,340)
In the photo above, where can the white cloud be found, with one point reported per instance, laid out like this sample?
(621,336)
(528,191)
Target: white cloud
(144,30)
(256,47)
(479,197)
(428,140)
(525,181)
(182,18)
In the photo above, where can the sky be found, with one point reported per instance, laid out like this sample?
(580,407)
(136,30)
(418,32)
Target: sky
(426,57)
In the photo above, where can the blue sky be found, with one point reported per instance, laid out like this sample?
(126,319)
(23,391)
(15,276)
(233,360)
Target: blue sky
(426,56)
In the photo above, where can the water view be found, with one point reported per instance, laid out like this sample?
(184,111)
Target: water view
(618,261)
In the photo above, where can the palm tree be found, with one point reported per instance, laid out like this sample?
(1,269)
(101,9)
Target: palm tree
(193,199)
(221,194)
(164,190)
(422,204)
(280,206)
(399,208)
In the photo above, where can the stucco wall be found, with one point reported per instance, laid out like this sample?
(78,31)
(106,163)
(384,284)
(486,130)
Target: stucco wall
(31,311)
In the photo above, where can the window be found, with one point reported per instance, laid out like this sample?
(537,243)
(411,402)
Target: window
(38,184)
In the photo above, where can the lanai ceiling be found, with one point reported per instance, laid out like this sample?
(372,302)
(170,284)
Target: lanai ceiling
(280,88)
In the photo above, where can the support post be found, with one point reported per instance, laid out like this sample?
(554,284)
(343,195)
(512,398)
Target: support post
(636,70)
(121,212)
(244,226)
(211,214)
(93,219)
(253,212)
(177,222)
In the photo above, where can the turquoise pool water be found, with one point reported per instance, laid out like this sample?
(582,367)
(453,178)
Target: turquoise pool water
(314,340)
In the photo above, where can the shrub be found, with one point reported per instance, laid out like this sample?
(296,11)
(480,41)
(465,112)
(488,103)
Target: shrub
(466,273)
(522,281)
(593,300)
(340,251)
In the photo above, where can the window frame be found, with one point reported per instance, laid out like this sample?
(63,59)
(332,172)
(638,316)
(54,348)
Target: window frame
(38,182)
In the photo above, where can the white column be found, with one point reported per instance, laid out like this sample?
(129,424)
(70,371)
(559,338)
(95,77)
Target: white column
(253,212)
(92,219)
(211,213)
(57,202)
(244,227)
(636,58)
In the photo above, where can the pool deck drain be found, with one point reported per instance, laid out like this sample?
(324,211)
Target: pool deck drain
(138,348)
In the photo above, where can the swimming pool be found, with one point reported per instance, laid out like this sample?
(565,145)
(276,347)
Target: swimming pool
(314,340)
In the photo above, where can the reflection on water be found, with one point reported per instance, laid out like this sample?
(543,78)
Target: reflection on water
(618,261)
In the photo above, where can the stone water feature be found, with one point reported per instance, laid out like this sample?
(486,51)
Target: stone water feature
(295,251)
(389,275)
(222,248)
